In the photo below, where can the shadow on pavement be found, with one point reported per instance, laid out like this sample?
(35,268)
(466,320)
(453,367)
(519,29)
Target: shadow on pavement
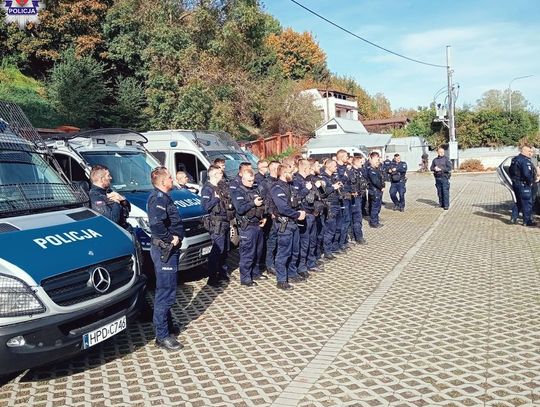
(500,211)
(429,202)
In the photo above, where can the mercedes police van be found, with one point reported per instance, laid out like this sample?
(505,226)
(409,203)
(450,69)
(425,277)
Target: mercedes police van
(130,165)
(69,278)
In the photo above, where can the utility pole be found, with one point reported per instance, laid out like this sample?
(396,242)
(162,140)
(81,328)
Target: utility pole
(452,143)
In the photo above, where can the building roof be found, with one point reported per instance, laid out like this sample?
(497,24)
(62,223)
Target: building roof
(369,140)
(391,120)
(346,126)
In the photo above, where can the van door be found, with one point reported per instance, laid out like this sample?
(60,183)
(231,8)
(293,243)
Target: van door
(190,164)
(73,170)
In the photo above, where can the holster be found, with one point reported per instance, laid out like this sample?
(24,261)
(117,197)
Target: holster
(166,249)
(282,223)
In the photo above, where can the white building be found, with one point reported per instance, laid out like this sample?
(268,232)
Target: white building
(331,104)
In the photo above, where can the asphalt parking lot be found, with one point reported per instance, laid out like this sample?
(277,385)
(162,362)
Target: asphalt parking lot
(441,308)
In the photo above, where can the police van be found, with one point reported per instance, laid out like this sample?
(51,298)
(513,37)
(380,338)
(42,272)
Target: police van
(194,151)
(69,278)
(130,165)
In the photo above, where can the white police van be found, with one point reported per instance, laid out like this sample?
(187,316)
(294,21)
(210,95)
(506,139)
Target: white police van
(194,151)
(130,165)
(69,278)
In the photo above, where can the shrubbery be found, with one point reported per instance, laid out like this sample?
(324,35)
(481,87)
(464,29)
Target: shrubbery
(472,165)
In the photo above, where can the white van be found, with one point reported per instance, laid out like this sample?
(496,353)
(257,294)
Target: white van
(194,151)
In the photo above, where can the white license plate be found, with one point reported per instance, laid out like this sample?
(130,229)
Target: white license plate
(104,333)
(206,250)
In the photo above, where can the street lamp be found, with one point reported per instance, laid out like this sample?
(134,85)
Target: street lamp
(510,90)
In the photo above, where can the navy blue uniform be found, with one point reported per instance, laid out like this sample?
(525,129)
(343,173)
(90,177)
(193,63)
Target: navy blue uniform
(218,227)
(442,179)
(398,178)
(357,202)
(332,223)
(270,232)
(376,185)
(100,203)
(248,217)
(346,204)
(308,227)
(165,223)
(523,175)
(288,240)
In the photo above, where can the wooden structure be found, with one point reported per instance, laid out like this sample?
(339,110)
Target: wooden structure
(276,144)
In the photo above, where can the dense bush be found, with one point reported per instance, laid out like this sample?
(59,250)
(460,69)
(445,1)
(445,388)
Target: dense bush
(472,165)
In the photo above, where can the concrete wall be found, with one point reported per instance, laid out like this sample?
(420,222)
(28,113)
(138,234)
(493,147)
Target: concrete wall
(490,157)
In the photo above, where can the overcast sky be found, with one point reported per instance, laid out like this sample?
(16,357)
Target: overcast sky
(493,41)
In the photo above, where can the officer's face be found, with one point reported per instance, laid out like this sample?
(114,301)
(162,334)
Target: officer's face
(440,151)
(247,180)
(397,159)
(263,169)
(106,179)
(527,151)
(182,179)
(167,181)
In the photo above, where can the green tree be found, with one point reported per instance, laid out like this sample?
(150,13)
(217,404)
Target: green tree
(77,89)
(128,111)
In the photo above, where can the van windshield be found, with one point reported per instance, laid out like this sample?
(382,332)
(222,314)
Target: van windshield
(28,184)
(130,170)
(232,161)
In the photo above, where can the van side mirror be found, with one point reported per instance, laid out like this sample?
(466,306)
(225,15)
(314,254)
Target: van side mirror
(203,175)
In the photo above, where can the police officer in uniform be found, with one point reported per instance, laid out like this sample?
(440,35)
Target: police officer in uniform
(305,191)
(250,218)
(346,197)
(217,223)
(375,189)
(287,214)
(270,230)
(167,234)
(523,175)
(398,178)
(359,187)
(332,223)
(442,169)
(108,203)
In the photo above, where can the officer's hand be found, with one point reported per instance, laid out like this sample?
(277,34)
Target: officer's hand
(436,168)
(262,222)
(308,185)
(115,197)
(337,185)
(175,240)
(216,194)
(258,201)
(302,215)
(318,184)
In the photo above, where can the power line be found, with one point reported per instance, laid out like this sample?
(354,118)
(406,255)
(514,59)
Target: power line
(363,39)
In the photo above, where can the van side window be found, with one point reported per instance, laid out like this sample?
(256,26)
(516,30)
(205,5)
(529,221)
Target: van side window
(160,156)
(189,163)
(71,168)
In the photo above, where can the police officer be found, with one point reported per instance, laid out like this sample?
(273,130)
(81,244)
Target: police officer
(375,189)
(237,181)
(442,169)
(250,218)
(305,191)
(332,223)
(359,196)
(346,197)
(398,178)
(182,179)
(262,173)
(167,234)
(270,229)
(217,223)
(523,175)
(108,203)
(287,214)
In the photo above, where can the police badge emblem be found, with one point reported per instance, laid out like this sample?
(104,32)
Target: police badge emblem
(22,12)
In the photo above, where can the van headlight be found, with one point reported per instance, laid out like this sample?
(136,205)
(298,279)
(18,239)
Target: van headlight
(143,224)
(17,298)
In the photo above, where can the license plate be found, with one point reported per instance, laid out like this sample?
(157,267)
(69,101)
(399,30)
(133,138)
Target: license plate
(206,250)
(104,333)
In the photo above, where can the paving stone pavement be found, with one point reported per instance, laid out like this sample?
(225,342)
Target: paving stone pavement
(441,308)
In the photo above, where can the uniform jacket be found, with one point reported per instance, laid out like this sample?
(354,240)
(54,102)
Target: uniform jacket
(163,217)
